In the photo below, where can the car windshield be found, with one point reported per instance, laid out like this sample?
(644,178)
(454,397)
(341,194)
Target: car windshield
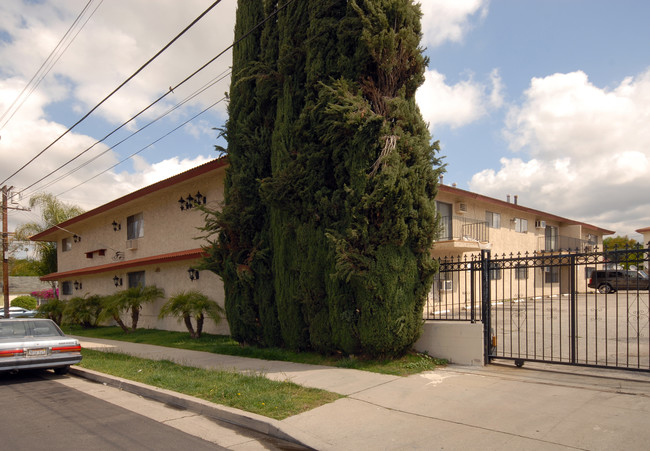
(20,329)
(643,274)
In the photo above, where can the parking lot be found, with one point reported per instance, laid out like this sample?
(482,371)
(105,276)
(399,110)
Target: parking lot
(608,329)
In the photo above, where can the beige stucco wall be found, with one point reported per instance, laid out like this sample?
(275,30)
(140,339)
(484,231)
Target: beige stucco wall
(166,228)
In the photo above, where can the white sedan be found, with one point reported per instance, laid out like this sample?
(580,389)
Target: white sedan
(33,343)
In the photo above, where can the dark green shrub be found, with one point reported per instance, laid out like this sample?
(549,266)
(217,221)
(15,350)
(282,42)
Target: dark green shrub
(83,311)
(28,302)
(52,309)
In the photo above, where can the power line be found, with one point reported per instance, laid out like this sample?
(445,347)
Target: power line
(211,83)
(48,64)
(171,89)
(117,89)
(144,148)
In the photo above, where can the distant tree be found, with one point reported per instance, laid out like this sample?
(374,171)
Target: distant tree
(24,267)
(192,304)
(129,302)
(53,212)
(621,251)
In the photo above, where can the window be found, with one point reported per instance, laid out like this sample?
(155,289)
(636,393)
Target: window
(444,210)
(551,238)
(66,287)
(66,244)
(443,280)
(135,227)
(521,225)
(136,279)
(551,274)
(495,271)
(521,272)
(493,219)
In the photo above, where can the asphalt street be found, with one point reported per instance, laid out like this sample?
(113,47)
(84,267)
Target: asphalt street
(44,411)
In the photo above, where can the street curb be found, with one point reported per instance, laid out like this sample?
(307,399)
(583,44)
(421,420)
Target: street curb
(240,418)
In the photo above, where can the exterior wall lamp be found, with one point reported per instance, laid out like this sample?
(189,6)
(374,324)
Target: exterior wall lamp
(117,281)
(76,238)
(116,226)
(193,273)
(77,285)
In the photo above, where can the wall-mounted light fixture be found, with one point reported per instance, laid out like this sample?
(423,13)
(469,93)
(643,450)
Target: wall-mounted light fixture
(116,226)
(117,281)
(193,273)
(76,238)
(77,285)
(192,201)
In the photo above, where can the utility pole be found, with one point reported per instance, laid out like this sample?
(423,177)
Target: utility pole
(5,250)
(5,246)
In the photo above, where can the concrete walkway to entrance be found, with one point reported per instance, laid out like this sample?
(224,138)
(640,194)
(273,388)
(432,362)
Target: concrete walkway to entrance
(494,407)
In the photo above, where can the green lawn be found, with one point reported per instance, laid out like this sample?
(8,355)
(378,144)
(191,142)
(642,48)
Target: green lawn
(411,363)
(252,393)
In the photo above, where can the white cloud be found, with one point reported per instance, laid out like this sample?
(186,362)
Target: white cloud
(589,149)
(444,20)
(459,104)
(116,41)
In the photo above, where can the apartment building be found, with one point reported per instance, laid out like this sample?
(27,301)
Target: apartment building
(526,245)
(147,237)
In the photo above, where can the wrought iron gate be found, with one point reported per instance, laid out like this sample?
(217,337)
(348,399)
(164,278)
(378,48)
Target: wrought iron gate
(542,307)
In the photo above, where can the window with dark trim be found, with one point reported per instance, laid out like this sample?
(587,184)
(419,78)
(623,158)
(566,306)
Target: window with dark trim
(495,271)
(135,226)
(551,274)
(136,279)
(66,287)
(521,272)
(66,244)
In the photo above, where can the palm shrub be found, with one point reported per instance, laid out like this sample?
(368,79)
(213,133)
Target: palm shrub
(193,303)
(27,302)
(52,309)
(128,301)
(83,310)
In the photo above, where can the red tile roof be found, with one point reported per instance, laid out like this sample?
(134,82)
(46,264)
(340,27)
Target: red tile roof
(117,266)
(178,178)
(491,200)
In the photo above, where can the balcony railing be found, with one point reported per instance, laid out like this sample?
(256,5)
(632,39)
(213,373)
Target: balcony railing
(565,243)
(463,228)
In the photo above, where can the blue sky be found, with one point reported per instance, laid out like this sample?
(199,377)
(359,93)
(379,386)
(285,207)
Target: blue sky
(546,99)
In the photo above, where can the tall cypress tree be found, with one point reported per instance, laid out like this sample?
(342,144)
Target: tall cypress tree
(349,196)
(240,254)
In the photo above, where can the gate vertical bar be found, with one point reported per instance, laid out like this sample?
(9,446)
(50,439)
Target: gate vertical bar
(573,333)
(472,310)
(486,308)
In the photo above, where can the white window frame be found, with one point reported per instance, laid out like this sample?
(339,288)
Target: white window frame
(493,219)
(521,225)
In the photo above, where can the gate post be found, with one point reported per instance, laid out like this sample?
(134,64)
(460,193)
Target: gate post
(485,304)
(572,309)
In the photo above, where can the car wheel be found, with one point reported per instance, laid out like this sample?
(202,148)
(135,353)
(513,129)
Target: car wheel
(62,370)
(605,288)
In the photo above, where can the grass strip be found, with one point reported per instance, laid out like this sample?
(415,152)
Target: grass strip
(410,363)
(252,393)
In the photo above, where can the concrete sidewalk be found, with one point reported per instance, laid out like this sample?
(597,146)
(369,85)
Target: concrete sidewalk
(494,407)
